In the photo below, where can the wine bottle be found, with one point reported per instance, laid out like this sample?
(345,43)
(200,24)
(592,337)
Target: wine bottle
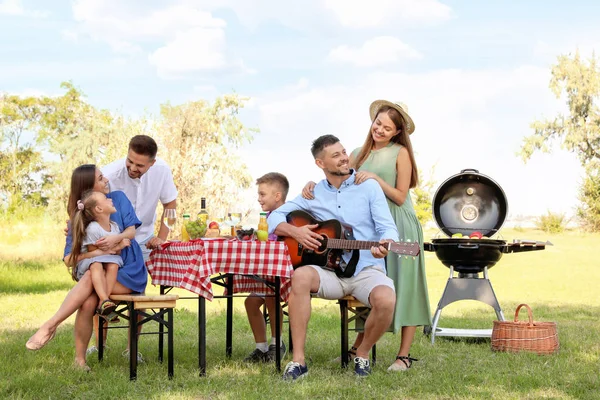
(203,214)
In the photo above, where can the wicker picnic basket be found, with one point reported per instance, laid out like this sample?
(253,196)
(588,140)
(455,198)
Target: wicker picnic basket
(531,336)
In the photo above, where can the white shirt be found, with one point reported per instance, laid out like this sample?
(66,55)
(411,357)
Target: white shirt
(144,193)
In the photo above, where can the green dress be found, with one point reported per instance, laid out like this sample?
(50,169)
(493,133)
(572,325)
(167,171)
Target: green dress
(408,273)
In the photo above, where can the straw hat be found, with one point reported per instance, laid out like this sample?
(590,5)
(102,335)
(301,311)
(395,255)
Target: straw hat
(400,107)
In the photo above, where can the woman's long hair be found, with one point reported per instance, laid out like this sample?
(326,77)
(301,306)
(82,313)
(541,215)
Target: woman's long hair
(82,180)
(80,220)
(401,138)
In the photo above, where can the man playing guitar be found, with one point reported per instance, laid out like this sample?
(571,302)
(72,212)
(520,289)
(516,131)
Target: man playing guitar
(363,208)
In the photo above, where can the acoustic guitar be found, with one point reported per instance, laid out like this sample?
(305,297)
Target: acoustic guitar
(336,239)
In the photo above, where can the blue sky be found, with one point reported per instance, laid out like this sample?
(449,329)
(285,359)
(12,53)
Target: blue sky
(474,74)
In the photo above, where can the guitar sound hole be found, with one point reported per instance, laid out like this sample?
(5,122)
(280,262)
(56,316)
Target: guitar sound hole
(323,245)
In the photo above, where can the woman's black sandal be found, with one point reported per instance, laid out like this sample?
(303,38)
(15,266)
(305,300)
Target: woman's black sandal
(406,360)
(106,308)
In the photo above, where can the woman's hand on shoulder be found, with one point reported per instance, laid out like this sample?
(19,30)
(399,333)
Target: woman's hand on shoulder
(362,176)
(308,190)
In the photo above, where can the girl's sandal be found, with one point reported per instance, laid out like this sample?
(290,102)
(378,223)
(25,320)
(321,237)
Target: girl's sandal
(352,353)
(34,344)
(81,367)
(106,308)
(406,363)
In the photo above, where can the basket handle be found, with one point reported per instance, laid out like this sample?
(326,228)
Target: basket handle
(528,312)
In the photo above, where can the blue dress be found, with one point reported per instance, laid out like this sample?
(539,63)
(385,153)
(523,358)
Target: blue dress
(133,274)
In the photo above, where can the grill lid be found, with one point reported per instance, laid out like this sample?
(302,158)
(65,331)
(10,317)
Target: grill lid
(468,202)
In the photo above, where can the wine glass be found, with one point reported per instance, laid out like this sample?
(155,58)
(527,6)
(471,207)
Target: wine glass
(170,218)
(234,218)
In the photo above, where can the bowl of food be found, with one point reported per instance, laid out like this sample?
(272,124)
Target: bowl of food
(245,234)
(195,229)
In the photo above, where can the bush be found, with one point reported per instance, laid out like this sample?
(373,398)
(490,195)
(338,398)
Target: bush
(552,222)
(589,195)
(519,228)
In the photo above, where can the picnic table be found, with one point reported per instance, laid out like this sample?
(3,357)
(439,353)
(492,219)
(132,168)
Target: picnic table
(239,266)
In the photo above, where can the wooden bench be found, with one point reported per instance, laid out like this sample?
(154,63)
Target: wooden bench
(348,305)
(359,311)
(136,305)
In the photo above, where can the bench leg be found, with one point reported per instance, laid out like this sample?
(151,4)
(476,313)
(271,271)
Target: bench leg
(374,355)
(344,333)
(133,341)
(290,341)
(101,322)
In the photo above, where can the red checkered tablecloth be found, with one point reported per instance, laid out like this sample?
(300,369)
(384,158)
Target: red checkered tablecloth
(189,265)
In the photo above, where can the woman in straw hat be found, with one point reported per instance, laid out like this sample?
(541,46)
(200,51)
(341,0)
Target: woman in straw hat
(387,156)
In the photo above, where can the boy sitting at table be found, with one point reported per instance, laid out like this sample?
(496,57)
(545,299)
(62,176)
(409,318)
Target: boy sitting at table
(272,191)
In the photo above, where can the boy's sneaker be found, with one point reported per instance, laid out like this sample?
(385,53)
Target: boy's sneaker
(257,356)
(294,371)
(362,367)
(94,349)
(140,359)
(273,349)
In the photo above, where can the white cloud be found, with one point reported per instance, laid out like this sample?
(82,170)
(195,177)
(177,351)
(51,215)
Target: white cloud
(183,38)
(375,52)
(309,15)
(375,13)
(464,119)
(192,50)
(11,7)
(121,25)
(15,7)
(69,35)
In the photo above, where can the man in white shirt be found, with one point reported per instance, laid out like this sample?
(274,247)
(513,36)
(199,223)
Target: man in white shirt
(145,180)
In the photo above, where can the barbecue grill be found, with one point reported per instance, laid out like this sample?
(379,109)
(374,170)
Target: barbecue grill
(470,204)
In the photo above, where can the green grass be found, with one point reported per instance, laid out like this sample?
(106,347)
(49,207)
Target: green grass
(560,284)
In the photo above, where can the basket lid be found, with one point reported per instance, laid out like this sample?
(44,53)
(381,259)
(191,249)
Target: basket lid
(469,202)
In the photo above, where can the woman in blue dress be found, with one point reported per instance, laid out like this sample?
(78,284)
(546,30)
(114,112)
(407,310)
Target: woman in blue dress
(132,277)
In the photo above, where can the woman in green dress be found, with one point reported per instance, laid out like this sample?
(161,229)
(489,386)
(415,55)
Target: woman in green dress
(387,157)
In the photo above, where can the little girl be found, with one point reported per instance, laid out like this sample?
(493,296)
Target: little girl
(91,221)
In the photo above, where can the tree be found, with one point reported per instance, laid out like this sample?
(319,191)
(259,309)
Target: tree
(77,133)
(19,163)
(422,195)
(579,130)
(199,140)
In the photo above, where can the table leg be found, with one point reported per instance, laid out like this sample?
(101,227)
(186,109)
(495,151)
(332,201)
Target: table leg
(277,323)
(202,335)
(161,330)
(229,335)
(170,342)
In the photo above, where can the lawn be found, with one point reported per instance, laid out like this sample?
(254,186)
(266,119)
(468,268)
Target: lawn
(560,284)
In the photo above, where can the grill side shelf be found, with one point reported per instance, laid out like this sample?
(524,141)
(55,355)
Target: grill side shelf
(523,246)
